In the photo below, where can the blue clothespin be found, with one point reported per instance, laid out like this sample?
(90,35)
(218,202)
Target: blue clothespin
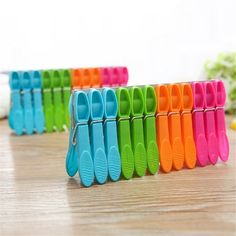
(110,133)
(79,152)
(16,120)
(27,102)
(97,137)
(37,101)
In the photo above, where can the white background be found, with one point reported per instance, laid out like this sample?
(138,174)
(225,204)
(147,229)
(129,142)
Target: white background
(159,41)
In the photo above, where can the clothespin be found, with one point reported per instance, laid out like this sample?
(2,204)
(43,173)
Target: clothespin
(48,100)
(26,87)
(79,152)
(223,142)
(57,99)
(86,78)
(66,88)
(137,136)
(124,138)
(190,157)
(115,76)
(110,133)
(198,124)
(209,121)
(163,139)
(96,80)
(150,129)
(76,78)
(97,136)
(16,119)
(175,127)
(124,77)
(37,101)
(106,77)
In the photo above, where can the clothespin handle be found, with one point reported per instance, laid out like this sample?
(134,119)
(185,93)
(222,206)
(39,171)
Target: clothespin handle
(124,138)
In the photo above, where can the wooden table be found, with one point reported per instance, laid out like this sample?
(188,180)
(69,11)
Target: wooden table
(38,198)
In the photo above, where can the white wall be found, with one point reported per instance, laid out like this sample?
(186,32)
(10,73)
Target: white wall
(159,41)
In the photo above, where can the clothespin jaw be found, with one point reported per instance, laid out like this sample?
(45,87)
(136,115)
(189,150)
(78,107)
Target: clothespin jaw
(26,87)
(124,138)
(57,99)
(137,136)
(163,139)
(209,119)
(48,100)
(223,142)
(190,157)
(66,86)
(16,119)
(37,101)
(150,104)
(96,80)
(175,126)
(76,78)
(110,133)
(198,124)
(97,137)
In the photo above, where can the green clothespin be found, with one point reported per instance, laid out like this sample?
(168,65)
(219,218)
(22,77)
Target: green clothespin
(57,99)
(150,128)
(47,100)
(124,139)
(66,86)
(137,108)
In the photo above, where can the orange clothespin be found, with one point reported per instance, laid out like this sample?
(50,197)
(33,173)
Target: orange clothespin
(76,78)
(96,80)
(86,78)
(163,139)
(190,156)
(175,126)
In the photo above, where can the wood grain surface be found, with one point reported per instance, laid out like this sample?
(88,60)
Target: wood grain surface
(38,198)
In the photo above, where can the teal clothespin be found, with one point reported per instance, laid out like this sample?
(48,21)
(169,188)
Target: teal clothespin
(79,151)
(137,136)
(58,108)
(37,101)
(110,133)
(16,119)
(66,87)
(150,129)
(47,100)
(97,137)
(26,87)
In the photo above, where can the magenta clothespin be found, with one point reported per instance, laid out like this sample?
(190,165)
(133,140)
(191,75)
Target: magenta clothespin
(115,76)
(106,77)
(198,124)
(209,121)
(223,142)
(124,76)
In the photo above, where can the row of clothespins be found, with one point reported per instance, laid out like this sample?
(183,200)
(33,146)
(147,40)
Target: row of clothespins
(39,99)
(131,131)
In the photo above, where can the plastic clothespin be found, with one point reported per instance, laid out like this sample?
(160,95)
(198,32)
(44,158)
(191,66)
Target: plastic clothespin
(209,121)
(16,119)
(58,110)
(190,157)
(86,78)
(110,133)
(96,135)
(175,126)
(48,100)
(163,139)
(76,78)
(198,124)
(223,142)
(26,87)
(79,152)
(124,139)
(66,88)
(124,76)
(115,76)
(37,101)
(96,77)
(106,77)
(150,129)
(137,136)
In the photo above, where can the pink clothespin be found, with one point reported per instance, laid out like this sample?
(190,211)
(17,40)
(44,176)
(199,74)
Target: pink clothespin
(209,121)
(223,142)
(106,77)
(198,124)
(124,76)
